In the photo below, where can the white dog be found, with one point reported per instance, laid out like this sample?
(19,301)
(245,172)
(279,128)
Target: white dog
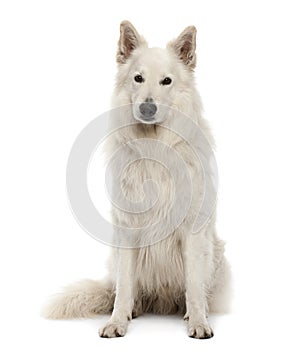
(163,272)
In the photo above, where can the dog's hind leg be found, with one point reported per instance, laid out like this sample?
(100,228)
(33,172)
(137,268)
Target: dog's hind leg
(221,291)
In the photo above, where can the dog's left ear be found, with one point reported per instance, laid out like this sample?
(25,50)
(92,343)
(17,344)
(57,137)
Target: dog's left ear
(185,46)
(129,40)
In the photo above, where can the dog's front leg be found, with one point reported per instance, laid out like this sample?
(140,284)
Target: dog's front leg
(197,265)
(124,299)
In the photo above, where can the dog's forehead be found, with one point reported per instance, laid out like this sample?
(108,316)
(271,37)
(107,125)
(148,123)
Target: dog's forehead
(153,59)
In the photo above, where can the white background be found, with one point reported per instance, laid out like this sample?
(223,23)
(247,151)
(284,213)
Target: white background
(57,67)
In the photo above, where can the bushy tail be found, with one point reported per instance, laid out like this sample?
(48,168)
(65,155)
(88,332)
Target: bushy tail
(83,299)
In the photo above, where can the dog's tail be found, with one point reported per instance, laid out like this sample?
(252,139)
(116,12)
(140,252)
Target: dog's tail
(83,299)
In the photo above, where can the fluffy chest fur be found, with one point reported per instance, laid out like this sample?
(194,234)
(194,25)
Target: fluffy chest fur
(166,180)
(160,266)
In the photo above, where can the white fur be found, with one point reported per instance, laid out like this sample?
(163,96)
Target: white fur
(184,272)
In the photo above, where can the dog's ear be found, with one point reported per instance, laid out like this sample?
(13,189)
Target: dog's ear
(128,41)
(185,46)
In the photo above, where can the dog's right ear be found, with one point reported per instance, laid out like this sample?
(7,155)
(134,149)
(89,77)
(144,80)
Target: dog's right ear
(129,40)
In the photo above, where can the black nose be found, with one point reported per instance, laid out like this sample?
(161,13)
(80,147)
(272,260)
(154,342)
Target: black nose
(148,108)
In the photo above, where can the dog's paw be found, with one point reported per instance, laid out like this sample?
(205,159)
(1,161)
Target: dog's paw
(113,330)
(200,331)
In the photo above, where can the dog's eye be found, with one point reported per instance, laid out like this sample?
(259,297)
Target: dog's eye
(166,81)
(138,78)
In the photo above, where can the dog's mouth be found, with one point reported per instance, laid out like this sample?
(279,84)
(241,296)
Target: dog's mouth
(144,120)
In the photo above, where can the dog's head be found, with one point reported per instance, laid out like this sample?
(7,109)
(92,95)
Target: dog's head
(153,79)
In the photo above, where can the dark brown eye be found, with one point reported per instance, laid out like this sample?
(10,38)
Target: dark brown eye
(138,78)
(166,81)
